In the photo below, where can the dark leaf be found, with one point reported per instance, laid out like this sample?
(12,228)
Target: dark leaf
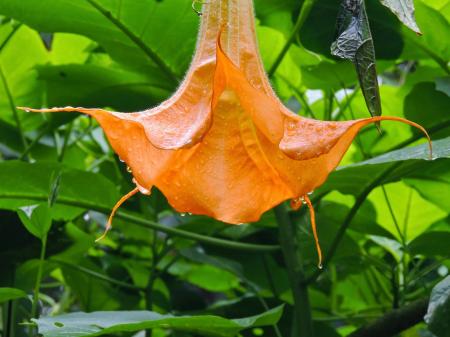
(439,309)
(354,42)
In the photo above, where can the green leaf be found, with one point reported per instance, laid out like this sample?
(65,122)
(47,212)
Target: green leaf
(404,9)
(413,213)
(101,323)
(439,309)
(443,85)
(37,219)
(140,34)
(434,43)
(354,42)
(431,244)
(21,180)
(425,97)
(433,186)
(102,85)
(19,85)
(8,294)
(353,179)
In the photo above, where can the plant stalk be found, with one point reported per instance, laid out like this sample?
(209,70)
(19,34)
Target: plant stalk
(302,320)
(37,286)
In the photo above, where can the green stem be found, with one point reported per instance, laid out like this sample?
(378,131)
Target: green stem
(348,219)
(264,304)
(249,247)
(394,218)
(67,134)
(37,285)
(302,320)
(301,96)
(33,143)
(96,275)
(12,106)
(304,12)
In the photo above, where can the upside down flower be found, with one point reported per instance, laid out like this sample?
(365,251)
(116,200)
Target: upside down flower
(224,145)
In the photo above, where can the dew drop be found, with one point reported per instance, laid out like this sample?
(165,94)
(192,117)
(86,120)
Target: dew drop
(121,160)
(310,192)
(129,169)
(182,214)
(320,266)
(27,110)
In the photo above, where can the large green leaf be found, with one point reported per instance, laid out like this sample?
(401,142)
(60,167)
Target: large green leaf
(431,244)
(19,85)
(439,309)
(23,184)
(410,212)
(428,106)
(137,33)
(101,85)
(434,42)
(101,323)
(395,165)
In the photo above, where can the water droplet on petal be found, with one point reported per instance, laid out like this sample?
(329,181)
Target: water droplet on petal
(129,169)
(182,214)
(310,192)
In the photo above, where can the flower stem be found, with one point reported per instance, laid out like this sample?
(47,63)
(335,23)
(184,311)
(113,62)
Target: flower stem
(302,320)
(37,286)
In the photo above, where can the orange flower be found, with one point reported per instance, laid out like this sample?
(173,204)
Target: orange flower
(224,145)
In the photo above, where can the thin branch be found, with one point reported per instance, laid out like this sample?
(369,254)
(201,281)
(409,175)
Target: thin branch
(395,321)
(249,247)
(96,275)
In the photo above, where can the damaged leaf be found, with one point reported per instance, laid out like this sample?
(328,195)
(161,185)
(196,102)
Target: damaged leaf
(354,42)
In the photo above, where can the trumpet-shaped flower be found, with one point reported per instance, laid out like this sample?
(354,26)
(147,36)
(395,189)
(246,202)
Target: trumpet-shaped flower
(224,145)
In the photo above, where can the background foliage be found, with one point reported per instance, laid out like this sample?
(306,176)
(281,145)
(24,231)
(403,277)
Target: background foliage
(383,222)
